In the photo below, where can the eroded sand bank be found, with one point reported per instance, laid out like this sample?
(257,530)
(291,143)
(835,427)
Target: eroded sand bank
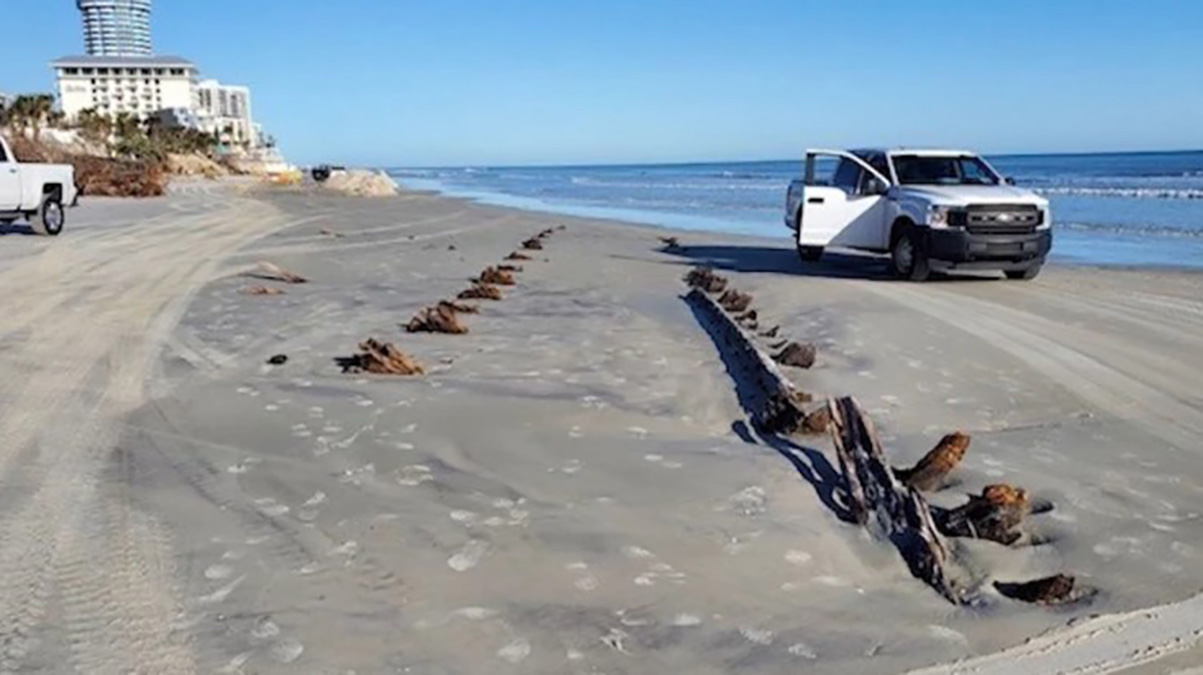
(573,487)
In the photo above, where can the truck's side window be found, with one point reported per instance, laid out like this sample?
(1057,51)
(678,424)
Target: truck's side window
(847,176)
(879,164)
(823,170)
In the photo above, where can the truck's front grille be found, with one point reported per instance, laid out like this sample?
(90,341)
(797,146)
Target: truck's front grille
(998,218)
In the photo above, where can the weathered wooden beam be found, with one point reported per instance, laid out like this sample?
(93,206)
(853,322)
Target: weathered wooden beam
(995,515)
(780,411)
(932,471)
(876,498)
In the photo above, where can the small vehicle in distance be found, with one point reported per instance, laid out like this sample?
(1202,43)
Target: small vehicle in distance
(37,192)
(930,210)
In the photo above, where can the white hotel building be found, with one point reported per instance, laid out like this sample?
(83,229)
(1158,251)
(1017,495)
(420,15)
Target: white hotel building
(145,85)
(138,85)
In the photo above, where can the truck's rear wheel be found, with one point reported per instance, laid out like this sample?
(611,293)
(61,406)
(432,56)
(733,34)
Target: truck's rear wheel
(49,219)
(1025,274)
(810,253)
(908,260)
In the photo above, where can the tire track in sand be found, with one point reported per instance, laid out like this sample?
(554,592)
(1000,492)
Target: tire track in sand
(75,546)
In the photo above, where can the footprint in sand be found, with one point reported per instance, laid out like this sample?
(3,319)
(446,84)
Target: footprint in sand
(464,517)
(797,557)
(414,474)
(287,650)
(215,572)
(586,584)
(475,613)
(803,650)
(469,556)
(654,458)
(684,620)
(265,629)
(834,582)
(269,507)
(515,652)
(947,634)
(757,635)
(636,552)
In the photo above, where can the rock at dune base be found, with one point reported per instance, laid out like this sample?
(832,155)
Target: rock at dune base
(382,358)
(278,360)
(931,471)
(533,244)
(517,256)
(481,292)
(797,355)
(361,184)
(438,319)
(509,268)
(1052,590)
(492,275)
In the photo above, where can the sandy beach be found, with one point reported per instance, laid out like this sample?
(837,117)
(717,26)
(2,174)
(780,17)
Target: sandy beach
(574,486)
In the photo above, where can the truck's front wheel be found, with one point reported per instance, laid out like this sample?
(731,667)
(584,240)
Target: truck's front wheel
(908,260)
(49,219)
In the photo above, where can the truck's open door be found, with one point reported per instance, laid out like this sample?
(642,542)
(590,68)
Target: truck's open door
(843,202)
(10,180)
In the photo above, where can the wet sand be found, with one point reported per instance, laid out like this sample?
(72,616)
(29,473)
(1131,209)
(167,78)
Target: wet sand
(574,486)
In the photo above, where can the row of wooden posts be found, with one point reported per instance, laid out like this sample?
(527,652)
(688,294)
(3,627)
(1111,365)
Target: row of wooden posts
(385,358)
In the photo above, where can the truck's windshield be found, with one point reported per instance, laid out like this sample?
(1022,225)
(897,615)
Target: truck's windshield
(934,170)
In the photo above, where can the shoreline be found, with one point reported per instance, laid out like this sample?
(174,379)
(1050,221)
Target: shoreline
(709,224)
(575,484)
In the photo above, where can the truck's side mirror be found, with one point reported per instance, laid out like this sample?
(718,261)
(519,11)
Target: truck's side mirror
(875,187)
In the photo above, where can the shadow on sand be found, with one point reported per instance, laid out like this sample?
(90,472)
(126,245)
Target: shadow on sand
(11,229)
(834,264)
(810,463)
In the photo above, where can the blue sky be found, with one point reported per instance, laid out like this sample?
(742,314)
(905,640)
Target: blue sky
(454,82)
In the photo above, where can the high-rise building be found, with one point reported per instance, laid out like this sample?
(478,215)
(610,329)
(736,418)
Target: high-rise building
(225,110)
(116,27)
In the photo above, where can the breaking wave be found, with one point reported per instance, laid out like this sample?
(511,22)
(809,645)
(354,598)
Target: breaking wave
(1129,192)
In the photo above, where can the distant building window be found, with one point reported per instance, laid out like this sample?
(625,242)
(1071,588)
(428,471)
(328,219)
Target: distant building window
(177,71)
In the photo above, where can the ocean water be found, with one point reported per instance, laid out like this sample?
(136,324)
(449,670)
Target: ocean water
(1139,209)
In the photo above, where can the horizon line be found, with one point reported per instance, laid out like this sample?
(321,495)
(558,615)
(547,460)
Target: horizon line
(571,165)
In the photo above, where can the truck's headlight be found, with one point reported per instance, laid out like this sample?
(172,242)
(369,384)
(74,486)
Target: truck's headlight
(937,216)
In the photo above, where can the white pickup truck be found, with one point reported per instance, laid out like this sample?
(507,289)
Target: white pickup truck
(37,192)
(931,210)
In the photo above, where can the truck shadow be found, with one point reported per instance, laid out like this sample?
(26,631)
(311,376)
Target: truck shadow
(6,230)
(781,260)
